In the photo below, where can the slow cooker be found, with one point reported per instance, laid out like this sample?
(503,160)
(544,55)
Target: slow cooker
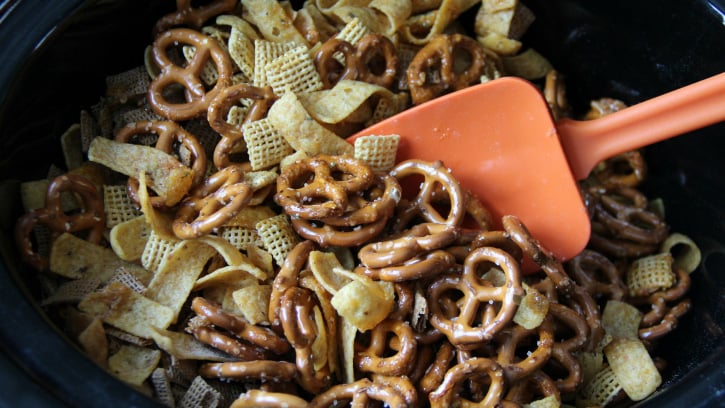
(56,54)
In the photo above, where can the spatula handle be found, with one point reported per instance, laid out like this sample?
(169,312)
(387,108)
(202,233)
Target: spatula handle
(692,107)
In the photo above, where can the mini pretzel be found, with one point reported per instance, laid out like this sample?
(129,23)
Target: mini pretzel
(302,185)
(437,57)
(661,319)
(197,98)
(629,222)
(614,174)
(449,392)
(597,275)
(510,339)
(462,328)
(168,134)
(435,373)
(259,336)
(361,61)
(211,204)
(268,370)
(433,174)
(298,324)
(195,17)
(378,358)
(227,344)
(361,393)
(423,266)
(91,217)
(525,390)
(287,278)
(419,239)
(219,110)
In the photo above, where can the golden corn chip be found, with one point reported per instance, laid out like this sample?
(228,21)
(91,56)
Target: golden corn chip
(296,156)
(128,239)
(266,146)
(72,146)
(528,64)
(278,237)
(200,395)
(499,44)
(342,101)
(167,176)
(133,364)
(118,205)
(293,71)
(348,331)
(633,366)
(177,274)
(685,252)
(508,18)
(77,258)
(420,28)
(621,319)
(232,256)
(254,396)
(325,267)
(253,302)
(185,347)
(261,258)
(591,362)
(377,151)
(94,342)
(155,251)
(550,401)
(230,275)
(320,344)
(265,52)
(532,310)
(273,21)
(127,310)
(650,274)
(125,85)
(601,390)
(160,222)
(128,337)
(353,31)
(295,124)
(364,302)
(381,17)
(72,291)
(241,237)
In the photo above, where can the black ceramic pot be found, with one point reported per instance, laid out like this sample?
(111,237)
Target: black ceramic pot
(54,56)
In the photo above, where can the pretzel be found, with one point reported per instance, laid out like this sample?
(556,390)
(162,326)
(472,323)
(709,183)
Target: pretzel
(302,185)
(286,278)
(612,174)
(378,358)
(256,335)
(564,347)
(400,383)
(631,222)
(597,275)
(298,324)
(405,299)
(361,61)
(435,372)
(522,392)
(423,266)
(433,174)
(227,344)
(168,133)
(359,393)
(91,217)
(449,392)
(437,57)
(510,339)
(268,399)
(268,370)
(195,17)
(462,328)
(661,319)
(197,98)
(212,203)
(419,239)
(218,111)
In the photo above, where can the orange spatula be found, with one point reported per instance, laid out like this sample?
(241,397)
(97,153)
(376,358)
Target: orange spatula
(500,141)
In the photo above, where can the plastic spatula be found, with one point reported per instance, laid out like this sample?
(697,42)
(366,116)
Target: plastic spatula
(500,141)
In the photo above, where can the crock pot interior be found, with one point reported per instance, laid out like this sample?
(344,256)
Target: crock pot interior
(631,50)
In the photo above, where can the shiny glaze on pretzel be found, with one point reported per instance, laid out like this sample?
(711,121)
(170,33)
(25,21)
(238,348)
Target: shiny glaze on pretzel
(361,61)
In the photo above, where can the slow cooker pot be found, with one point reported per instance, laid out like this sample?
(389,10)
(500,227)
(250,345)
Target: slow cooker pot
(56,54)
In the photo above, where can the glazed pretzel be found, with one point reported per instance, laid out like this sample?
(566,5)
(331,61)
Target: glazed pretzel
(168,134)
(525,390)
(462,329)
(91,218)
(436,371)
(627,221)
(361,393)
(297,318)
(511,338)
(597,275)
(232,134)
(411,243)
(361,61)
(661,318)
(302,184)
(437,59)
(197,98)
(449,392)
(381,357)
(424,266)
(185,14)
(628,169)
(268,370)
(212,203)
(423,203)
(286,278)
(227,344)
(400,383)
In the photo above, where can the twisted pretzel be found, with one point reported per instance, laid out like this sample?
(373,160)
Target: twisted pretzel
(268,370)
(373,59)
(433,71)
(524,391)
(287,278)
(377,357)
(218,111)
(631,222)
(417,240)
(195,17)
(434,174)
(360,393)
(435,373)
(227,344)
(197,98)
(168,134)
(661,318)
(302,184)
(597,275)
(212,203)
(91,218)
(614,174)
(449,392)
(462,328)
(511,338)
